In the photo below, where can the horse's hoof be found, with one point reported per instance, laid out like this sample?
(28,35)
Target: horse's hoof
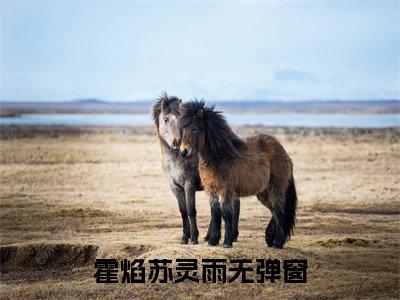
(212,242)
(194,242)
(270,244)
(227,246)
(184,241)
(269,241)
(206,238)
(277,247)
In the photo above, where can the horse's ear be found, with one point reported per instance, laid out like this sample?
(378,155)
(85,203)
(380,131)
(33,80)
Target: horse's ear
(180,105)
(164,104)
(200,113)
(155,111)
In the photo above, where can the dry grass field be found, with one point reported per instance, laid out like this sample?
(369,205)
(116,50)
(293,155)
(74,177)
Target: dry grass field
(70,196)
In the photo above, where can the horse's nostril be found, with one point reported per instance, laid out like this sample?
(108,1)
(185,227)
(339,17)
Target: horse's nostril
(184,153)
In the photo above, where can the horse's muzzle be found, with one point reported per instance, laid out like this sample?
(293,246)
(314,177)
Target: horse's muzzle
(184,153)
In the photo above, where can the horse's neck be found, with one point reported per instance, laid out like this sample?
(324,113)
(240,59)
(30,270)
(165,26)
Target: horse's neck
(216,158)
(225,150)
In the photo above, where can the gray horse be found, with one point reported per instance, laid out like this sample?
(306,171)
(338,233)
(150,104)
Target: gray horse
(182,173)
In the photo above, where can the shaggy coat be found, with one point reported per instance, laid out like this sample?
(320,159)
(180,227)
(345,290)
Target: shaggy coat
(230,167)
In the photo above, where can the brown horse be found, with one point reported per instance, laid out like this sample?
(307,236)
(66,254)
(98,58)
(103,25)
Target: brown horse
(230,167)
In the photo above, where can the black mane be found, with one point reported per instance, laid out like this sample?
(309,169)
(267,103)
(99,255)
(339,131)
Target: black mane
(169,104)
(221,142)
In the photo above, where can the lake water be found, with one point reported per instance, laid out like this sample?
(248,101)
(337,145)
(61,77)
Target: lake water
(271,119)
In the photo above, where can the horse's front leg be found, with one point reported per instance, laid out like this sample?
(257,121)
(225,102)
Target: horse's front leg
(180,196)
(227,214)
(214,231)
(215,221)
(190,193)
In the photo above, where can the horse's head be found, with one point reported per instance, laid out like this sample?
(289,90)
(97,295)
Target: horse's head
(192,128)
(165,114)
(204,130)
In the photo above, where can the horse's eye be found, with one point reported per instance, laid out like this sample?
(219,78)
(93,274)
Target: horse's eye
(166,120)
(196,130)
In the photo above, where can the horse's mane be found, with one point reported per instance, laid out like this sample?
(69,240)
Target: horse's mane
(169,104)
(220,141)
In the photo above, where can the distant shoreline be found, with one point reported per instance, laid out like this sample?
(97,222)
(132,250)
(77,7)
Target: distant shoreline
(290,119)
(10,109)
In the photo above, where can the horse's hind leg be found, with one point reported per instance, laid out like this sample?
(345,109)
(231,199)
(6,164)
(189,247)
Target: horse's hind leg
(270,231)
(278,211)
(180,196)
(236,214)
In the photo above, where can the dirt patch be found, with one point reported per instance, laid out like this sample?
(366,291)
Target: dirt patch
(80,213)
(346,242)
(137,250)
(378,208)
(42,256)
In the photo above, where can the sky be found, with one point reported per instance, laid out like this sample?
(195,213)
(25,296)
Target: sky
(131,51)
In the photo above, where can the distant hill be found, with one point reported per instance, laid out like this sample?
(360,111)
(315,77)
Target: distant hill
(88,101)
(333,106)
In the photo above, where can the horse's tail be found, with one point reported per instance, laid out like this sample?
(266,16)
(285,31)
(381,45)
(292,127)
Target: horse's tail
(290,208)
